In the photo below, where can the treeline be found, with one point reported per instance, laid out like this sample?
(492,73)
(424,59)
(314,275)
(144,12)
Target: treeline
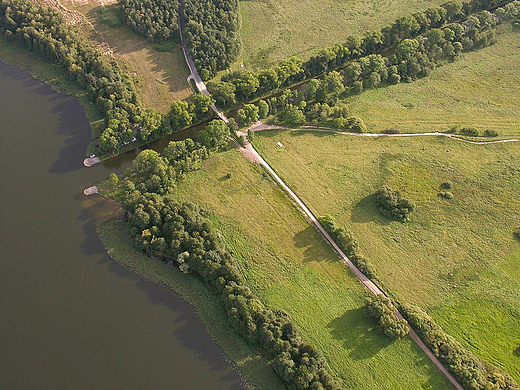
(180,234)
(419,42)
(156,20)
(44,31)
(470,371)
(211,33)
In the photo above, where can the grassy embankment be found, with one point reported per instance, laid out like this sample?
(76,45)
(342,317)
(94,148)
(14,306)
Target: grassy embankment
(159,71)
(465,242)
(290,266)
(51,74)
(478,90)
(119,245)
(278,29)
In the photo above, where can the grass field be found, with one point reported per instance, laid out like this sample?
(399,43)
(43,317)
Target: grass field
(478,90)
(465,242)
(289,265)
(160,76)
(273,30)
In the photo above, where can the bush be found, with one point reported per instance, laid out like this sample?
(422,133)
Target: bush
(392,204)
(491,133)
(470,371)
(380,308)
(470,131)
(516,233)
(447,185)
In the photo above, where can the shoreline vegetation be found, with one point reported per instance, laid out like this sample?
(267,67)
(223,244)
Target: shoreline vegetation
(254,369)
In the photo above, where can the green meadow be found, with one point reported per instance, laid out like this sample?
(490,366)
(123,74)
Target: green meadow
(478,90)
(273,30)
(288,264)
(457,258)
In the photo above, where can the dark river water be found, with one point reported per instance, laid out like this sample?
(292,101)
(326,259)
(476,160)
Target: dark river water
(70,317)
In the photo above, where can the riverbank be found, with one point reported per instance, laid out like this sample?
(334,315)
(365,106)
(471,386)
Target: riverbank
(255,370)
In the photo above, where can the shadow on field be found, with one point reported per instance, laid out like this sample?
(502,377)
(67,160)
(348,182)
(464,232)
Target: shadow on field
(359,337)
(366,211)
(305,239)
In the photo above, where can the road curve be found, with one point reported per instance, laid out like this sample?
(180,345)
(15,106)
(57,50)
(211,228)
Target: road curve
(250,152)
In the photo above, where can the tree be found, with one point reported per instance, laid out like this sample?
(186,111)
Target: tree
(215,134)
(292,115)
(224,93)
(263,109)
(380,308)
(247,114)
(202,105)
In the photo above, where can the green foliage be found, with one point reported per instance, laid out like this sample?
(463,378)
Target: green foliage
(380,309)
(215,134)
(516,233)
(393,205)
(491,133)
(469,131)
(344,238)
(247,114)
(292,115)
(211,33)
(468,369)
(446,194)
(156,20)
(263,109)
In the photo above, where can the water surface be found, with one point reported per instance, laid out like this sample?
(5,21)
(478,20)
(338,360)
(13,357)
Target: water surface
(70,317)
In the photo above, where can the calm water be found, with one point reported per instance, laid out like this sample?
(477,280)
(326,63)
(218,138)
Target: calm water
(70,317)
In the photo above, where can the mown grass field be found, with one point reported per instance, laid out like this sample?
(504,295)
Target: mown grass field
(456,258)
(160,76)
(273,30)
(289,266)
(479,90)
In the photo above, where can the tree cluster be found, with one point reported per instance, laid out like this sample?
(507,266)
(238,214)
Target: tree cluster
(392,204)
(380,309)
(419,42)
(181,234)
(156,20)
(211,33)
(44,31)
(348,243)
(470,371)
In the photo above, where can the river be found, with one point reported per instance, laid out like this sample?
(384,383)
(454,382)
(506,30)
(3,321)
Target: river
(71,317)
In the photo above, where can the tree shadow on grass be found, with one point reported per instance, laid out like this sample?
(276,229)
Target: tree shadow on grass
(307,239)
(359,337)
(366,211)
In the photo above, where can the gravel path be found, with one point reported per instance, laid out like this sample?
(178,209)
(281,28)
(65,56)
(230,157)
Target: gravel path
(249,152)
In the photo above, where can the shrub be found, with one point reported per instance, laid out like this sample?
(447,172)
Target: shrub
(491,133)
(516,233)
(447,185)
(380,308)
(392,204)
(469,131)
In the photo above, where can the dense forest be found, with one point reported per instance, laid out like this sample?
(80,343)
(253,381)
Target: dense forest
(157,20)
(182,235)
(211,33)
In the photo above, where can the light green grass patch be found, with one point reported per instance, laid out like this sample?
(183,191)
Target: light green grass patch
(273,30)
(478,90)
(447,243)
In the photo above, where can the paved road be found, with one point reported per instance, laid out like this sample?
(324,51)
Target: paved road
(253,155)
